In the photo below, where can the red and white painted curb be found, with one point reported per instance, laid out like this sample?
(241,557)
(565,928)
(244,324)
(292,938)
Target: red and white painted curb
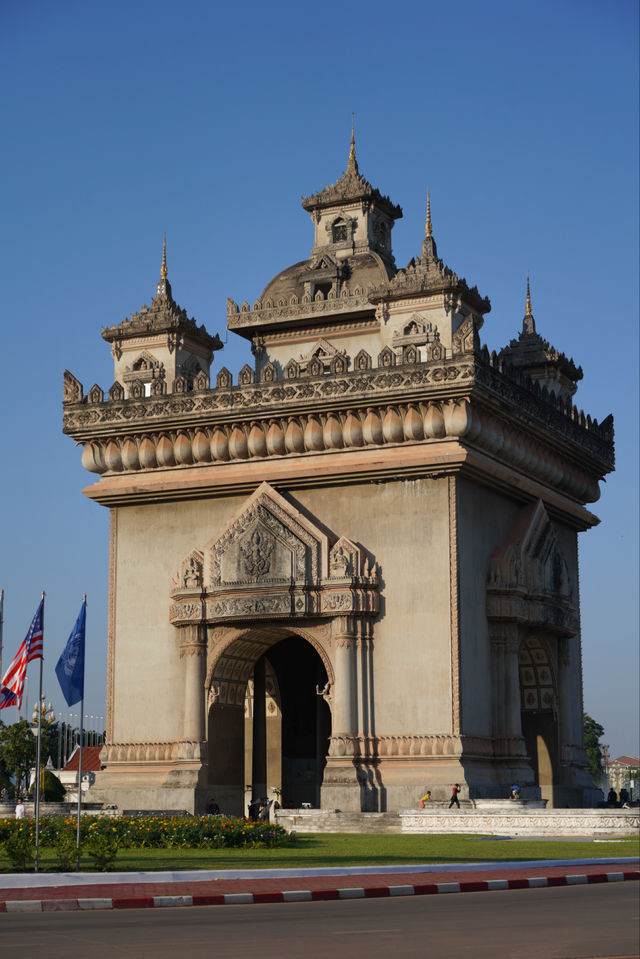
(312,895)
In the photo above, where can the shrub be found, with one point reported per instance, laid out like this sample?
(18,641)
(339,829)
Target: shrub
(65,845)
(103,848)
(53,790)
(158,832)
(20,849)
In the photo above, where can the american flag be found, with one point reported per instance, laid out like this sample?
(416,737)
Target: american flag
(12,684)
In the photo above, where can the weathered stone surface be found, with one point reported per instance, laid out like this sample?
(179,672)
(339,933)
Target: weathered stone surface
(372,537)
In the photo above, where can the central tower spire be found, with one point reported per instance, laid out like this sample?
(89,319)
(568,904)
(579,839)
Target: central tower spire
(163,289)
(528,322)
(429,248)
(352,163)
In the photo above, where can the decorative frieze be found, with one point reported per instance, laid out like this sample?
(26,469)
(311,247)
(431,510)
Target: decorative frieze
(522,822)
(168,751)
(533,431)
(343,430)
(399,746)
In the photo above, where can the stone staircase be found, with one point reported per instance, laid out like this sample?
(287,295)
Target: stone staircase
(335,820)
(321,820)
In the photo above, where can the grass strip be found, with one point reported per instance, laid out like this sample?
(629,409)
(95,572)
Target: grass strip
(354,849)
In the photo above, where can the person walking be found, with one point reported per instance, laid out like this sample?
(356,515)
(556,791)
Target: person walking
(454,796)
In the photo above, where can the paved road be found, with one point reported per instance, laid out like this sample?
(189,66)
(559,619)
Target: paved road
(577,922)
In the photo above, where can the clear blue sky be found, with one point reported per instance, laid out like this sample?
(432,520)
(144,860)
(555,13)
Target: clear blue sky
(210,121)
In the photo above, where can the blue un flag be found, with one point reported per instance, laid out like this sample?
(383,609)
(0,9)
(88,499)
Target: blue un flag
(70,666)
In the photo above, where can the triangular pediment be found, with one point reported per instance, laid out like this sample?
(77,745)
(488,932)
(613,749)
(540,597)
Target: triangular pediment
(268,542)
(322,350)
(530,559)
(324,262)
(273,561)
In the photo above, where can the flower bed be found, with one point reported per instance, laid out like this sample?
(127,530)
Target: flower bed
(194,832)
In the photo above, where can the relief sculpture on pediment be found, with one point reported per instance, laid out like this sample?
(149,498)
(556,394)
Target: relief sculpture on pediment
(273,561)
(256,553)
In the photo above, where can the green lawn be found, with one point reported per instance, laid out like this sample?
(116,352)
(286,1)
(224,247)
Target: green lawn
(352,849)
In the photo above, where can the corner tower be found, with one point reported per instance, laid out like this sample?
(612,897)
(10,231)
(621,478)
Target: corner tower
(160,348)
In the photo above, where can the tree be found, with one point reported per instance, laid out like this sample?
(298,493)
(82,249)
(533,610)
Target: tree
(592,733)
(52,788)
(18,754)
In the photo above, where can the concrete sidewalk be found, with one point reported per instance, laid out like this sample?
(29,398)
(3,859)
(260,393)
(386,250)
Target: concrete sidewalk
(46,892)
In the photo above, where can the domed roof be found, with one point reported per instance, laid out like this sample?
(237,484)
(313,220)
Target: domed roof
(361,271)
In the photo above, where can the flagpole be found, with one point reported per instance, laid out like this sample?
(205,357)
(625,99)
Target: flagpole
(39,750)
(84,599)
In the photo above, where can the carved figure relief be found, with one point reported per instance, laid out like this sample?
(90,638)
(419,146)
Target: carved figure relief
(256,552)
(192,576)
(191,573)
(340,564)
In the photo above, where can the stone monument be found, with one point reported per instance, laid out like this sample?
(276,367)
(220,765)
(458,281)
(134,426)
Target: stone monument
(351,575)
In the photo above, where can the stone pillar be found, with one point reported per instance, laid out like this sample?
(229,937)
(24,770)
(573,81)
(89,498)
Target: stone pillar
(576,786)
(341,785)
(345,693)
(259,763)
(505,643)
(364,670)
(193,650)
(565,696)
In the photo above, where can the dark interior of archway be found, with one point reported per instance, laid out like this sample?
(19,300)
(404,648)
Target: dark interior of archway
(306,719)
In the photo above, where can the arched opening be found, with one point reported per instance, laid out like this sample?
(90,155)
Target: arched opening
(539,713)
(339,230)
(268,726)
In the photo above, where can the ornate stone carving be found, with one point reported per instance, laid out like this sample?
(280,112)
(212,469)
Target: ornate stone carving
(256,551)
(95,395)
(529,581)
(386,358)
(466,338)
(116,393)
(224,379)
(273,561)
(71,388)
(201,381)
(114,753)
(362,361)
(246,376)
(191,572)
(292,370)
(269,373)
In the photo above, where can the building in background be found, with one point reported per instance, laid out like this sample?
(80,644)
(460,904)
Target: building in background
(624,773)
(352,574)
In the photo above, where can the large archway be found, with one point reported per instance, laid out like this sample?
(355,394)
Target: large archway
(539,713)
(268,722)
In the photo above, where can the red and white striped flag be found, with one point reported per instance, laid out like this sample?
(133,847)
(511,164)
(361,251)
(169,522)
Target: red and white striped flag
(12,685)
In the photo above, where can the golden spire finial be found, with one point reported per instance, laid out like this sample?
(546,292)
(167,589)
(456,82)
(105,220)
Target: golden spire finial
(352,150)
(163,271)
(528,305)
(427,228)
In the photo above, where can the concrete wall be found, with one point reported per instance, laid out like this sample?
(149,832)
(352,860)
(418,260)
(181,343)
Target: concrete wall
(152,541)
(403,525)
(485,518)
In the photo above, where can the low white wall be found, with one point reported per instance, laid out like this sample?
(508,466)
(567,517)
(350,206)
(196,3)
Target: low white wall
(524,822)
